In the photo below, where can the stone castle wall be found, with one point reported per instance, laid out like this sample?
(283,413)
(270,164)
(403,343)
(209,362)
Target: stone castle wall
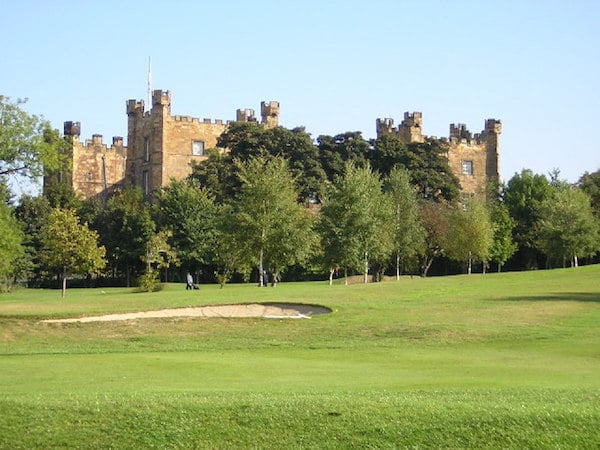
(472,158)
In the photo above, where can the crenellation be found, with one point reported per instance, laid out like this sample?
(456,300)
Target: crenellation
(473,158)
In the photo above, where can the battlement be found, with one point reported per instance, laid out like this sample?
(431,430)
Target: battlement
(269,112)
(161,98)
(72,129)
(197,120)
(245,115)
(493,126)
(135,107)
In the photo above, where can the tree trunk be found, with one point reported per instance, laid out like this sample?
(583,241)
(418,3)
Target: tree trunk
(331,271)
(260,269)
(366,271)
(397,266)
(575,261)
(64,283)
(346,276)
(469,265)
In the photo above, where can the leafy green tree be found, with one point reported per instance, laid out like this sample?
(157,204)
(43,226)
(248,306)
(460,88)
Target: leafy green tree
(159,255)
(523,196)
(470,234)
(125,225)
(189,211)
(275,230)
(69,246)
(231,252)
(426,163)
(434,217)
(32,213)
(567,227)
(11,249)
(246,140)
(590,184)
(355,222)
(28,144)
(336,151)
(408,232)
(217,175)
(503,246)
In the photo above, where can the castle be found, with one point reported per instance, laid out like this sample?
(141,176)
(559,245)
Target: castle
(473,158)
(161,146)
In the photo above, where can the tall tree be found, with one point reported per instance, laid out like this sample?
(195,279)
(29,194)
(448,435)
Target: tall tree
(28,144)
(217,175)
(336,151)
(10,243)
(434,217)
(503,246)
(470,234)
(426,162)
(189,211)
(69,246)
(274,228)
(590,184)
(247,140)
(125,225)
(567,227)
(409,234)
(354,221)
(523,196)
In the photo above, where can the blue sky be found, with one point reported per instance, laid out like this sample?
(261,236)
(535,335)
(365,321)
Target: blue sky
(334,66)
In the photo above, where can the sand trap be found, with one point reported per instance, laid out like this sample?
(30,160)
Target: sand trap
(266,310)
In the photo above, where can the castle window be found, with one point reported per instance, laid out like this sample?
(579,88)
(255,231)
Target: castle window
(198,148)
(146,149)
(146,182)
(467,167)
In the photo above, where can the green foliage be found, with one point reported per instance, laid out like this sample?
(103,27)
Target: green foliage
(11,249)
(590,184)
(355,221)
(503,246)
(470,234)
(217,175)
(336,151)
(567,227)
(272,229)
(190,213)
(434,217)
(70,247)
(149,281)
(523,196)
(27,143)
(426,162)
(409,234)
(125,225)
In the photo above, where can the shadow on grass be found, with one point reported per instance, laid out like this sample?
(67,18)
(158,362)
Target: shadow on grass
(561,297)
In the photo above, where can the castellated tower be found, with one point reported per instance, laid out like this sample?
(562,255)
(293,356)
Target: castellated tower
(269,112)
(96,170)
(472,158)
(164,146)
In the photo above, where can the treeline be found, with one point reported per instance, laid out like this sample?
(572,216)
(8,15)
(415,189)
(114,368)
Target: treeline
(280,204)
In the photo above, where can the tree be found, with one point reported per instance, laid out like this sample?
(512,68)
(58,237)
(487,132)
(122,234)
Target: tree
(567,227)
(590,184)
(189,211)
(69,246)
(354,222)
(217,175)
(10,243)
(434,217)
(273,228)
(503,246)
(426,162)
(159,255)
(408,232)
(470,234)
(523,196)
(336,151)
(125,225)
(27,143)
(247,140)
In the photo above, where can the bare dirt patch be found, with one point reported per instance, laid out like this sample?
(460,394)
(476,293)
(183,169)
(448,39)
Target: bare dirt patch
(266,310)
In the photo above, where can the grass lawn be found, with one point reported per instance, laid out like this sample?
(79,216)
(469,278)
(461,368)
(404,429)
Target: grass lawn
(482,361)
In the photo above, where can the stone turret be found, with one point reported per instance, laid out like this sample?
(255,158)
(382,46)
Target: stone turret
(269,112)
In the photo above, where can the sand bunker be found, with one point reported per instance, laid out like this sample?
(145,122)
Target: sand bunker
(266,310)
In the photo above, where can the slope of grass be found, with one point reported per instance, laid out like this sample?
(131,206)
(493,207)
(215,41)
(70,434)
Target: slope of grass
(498,360)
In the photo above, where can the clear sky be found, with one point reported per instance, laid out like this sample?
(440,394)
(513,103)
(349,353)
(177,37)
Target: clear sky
(334,66)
